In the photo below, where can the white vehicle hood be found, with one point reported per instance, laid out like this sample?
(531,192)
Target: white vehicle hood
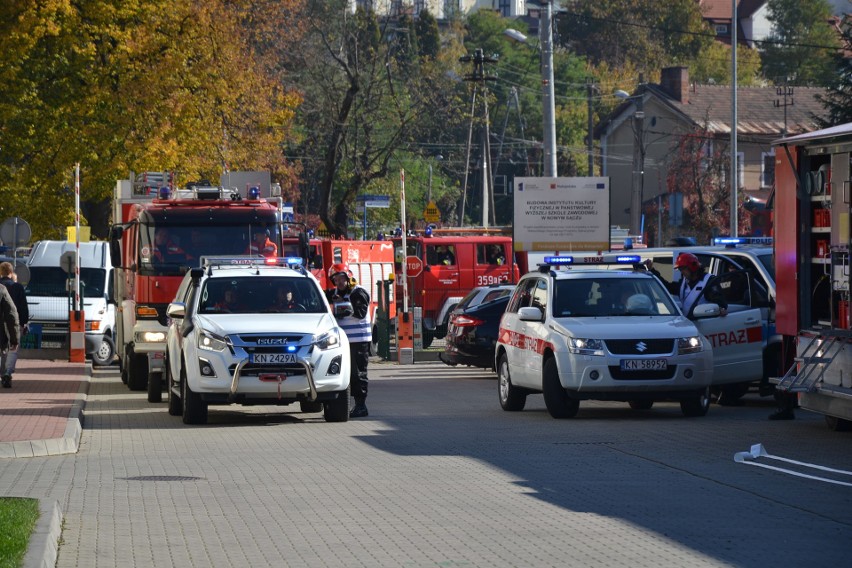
(227,324)
(628,327)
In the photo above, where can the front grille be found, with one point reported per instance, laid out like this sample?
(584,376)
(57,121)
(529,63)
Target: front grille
(619,375)
(640,346)
(253,339)
(253,370)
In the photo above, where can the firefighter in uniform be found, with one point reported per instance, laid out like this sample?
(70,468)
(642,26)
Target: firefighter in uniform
(166,250)
(261,245)
(358,329)
(694,280)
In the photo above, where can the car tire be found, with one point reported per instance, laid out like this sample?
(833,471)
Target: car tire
(175,403)
(558,402)
(310,406)
(838,424)
(512,399)
(697,405)
(155,387)
(194,409)
(105,353)
(137,372)
(641,404)
(337,410)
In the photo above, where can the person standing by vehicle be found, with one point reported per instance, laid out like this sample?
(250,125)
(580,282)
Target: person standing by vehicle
(358,330)
(19,298)
(693,281)
(9,331)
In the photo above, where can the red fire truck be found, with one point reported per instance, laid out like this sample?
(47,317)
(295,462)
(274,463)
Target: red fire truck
(369,262)
(812,208)
(159,233)
(444,265)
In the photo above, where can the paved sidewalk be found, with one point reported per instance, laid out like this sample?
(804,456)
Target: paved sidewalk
(41,415)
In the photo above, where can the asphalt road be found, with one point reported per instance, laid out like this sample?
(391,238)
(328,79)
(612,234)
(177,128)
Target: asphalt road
(439,475)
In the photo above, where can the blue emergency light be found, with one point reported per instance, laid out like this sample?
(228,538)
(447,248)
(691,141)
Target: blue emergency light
(628,259)
(254,192)
(728,241)
(558,260)
(165,192)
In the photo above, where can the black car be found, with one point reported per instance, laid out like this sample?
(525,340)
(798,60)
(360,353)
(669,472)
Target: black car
(472,334)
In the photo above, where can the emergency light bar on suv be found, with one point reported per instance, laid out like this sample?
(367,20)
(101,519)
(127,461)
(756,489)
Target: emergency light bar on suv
(210,262)
(625,259)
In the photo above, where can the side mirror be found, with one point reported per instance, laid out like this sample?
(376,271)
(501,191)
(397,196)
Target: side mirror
(342,309)
(530,314)
(427,268)
(115,234)
(702,311)
(196,273)
(176,310)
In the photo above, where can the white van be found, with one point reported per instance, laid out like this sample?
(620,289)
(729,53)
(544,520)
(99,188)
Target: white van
(49,296)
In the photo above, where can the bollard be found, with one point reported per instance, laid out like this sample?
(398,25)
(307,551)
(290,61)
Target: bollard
(77,337)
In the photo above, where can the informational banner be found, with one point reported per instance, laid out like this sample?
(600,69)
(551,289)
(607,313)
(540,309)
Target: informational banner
(561,214)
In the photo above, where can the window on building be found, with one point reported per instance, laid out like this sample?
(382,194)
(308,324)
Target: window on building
(767,169)
(721,29)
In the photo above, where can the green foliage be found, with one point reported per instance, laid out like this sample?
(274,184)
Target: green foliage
(131,85)
(714,66)
(18,518)
(801,44)
(428,35)
(646,33)
(838,98)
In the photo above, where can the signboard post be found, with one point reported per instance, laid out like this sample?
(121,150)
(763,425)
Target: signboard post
(363,202)
(562,214)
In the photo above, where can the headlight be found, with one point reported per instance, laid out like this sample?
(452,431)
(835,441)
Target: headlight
(327,340)
(689,345)
(211,342)
(580,346)
(150,336)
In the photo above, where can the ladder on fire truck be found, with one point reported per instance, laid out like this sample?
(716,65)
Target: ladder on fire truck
(809,367)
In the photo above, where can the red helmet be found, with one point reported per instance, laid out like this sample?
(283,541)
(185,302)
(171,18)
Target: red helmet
(336,269)
(688,260)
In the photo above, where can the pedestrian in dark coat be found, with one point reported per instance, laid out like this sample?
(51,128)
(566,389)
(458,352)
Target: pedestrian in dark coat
(10,332)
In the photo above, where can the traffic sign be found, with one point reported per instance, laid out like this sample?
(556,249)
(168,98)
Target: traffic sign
(68,260)
(431,213)
(15,232)
(382,201)
(414,266)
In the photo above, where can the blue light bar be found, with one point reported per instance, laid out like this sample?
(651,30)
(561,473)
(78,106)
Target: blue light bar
(254,192)
(559,260)
(251,261)
(728,241)
(628,259)
(165,192)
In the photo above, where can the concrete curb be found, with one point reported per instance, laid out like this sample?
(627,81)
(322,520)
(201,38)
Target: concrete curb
(44,542)
(69,443)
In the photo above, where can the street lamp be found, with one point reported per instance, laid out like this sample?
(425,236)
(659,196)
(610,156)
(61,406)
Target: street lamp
(548,110)
(638,176)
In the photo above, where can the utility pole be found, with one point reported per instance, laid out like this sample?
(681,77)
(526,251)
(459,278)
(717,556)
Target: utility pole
(734,23)
(548,106)
(478,76)
(590,145)
(638,179)
(785,91)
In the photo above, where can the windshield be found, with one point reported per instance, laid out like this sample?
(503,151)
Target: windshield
(52,281)
(261,294)
(170,249)
(601,297)
(768,262)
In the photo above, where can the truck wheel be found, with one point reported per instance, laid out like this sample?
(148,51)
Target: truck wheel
(194,409)
(155,387)
(337,410)
(310,406)
(105,353)
(512,399)
(641,404)
(838,424)
(558,402)
(175,406)
(697,405)
(137,372)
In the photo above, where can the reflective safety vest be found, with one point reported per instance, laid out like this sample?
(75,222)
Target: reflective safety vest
(269,249)
(357,330)
(689,297)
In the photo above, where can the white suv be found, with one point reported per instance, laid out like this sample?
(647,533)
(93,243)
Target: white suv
(237,336)
(616,335)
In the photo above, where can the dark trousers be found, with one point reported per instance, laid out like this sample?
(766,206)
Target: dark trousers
(359,356)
